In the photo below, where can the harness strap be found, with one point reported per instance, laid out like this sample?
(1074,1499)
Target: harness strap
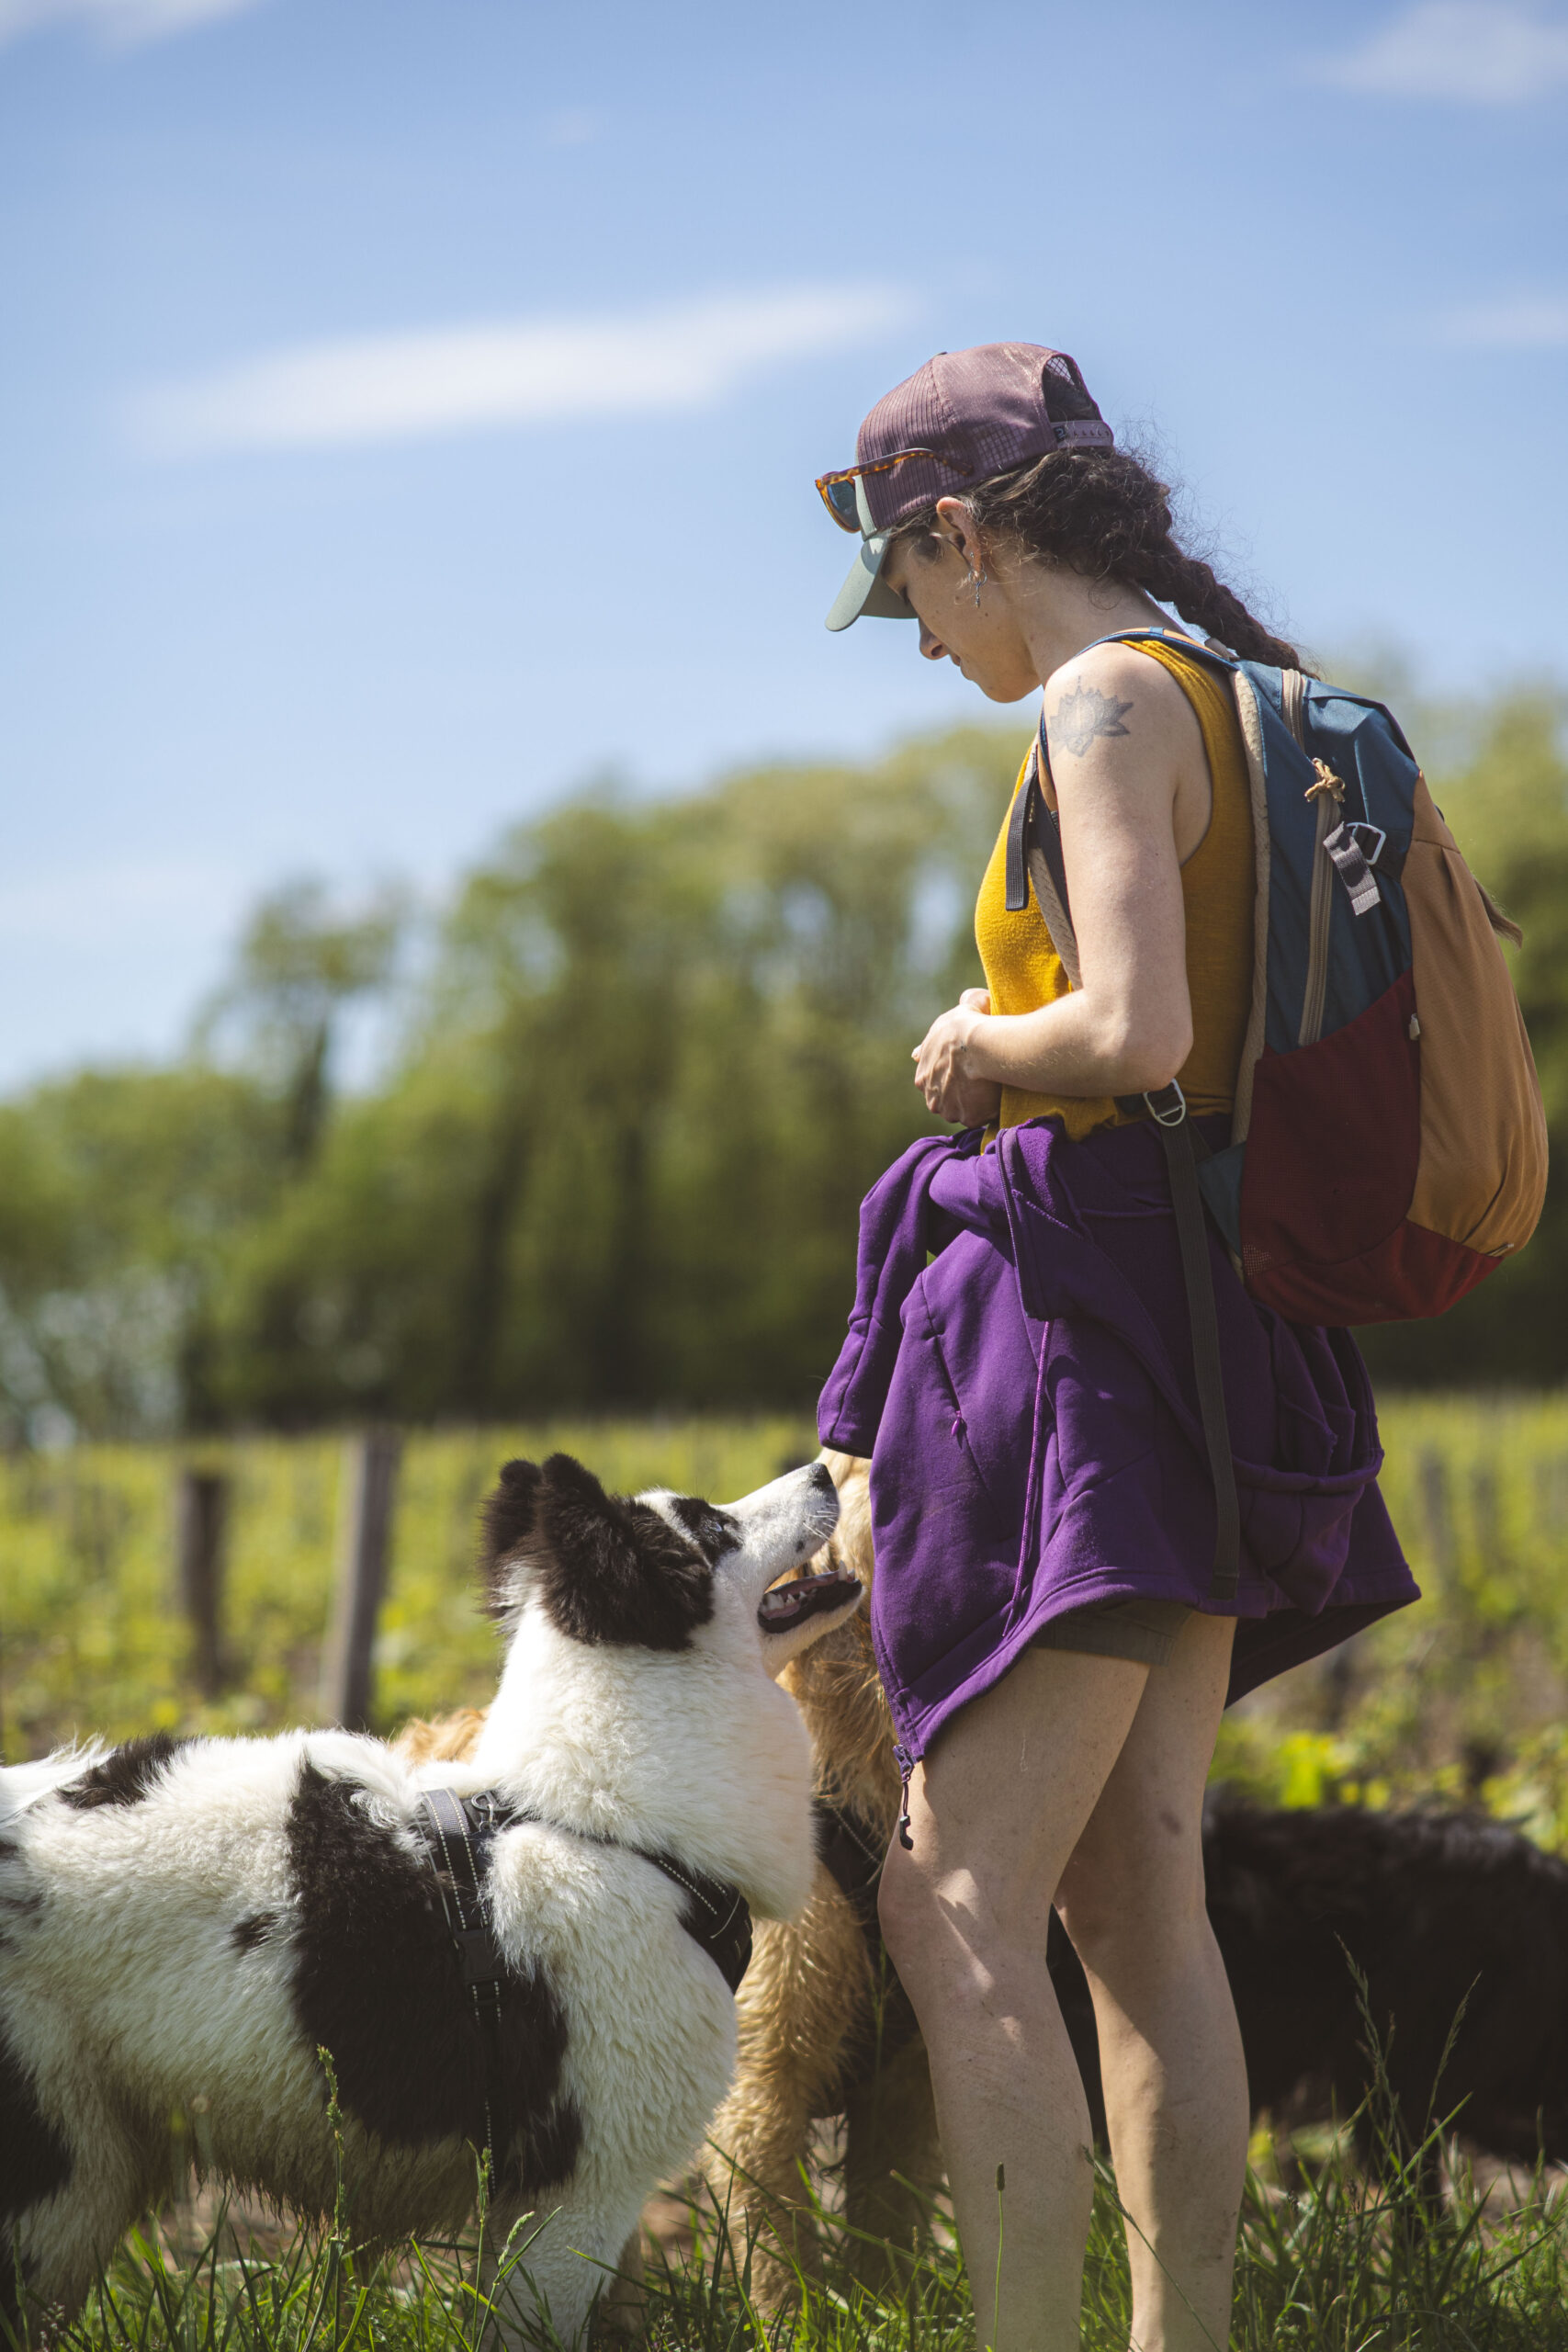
(851,1850)
(460,1839)
(458,1832)
(715,1915)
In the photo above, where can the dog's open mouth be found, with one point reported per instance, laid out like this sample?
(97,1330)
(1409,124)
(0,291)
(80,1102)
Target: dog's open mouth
(786,1605)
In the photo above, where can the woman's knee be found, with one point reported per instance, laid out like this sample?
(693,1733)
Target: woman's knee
(950,1929)
(1115,1903)
(916,1927)
(901,1907)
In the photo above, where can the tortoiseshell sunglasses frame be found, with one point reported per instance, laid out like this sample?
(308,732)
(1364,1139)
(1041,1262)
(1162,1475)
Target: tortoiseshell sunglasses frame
(879,465)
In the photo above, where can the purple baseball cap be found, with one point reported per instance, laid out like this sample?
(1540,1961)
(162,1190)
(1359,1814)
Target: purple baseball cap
(966,415)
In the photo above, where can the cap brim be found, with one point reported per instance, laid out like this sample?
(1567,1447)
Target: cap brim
(866,595)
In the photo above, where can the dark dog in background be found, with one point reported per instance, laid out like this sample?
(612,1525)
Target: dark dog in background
(1441,1912)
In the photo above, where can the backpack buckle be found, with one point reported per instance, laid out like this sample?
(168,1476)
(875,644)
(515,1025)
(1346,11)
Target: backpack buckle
(1166,1105)
(1354,864)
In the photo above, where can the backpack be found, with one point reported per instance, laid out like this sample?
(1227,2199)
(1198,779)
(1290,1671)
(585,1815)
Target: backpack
(1388,1144)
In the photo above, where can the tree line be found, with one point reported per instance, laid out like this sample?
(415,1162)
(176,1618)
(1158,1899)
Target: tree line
(645,1064)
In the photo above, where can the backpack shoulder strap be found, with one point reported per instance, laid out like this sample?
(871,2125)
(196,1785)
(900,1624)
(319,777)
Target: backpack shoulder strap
(1034,851)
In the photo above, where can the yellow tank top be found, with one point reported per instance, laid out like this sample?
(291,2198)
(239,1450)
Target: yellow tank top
(1218,882)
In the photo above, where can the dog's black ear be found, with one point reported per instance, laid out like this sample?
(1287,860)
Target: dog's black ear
(509,1517)
(610,1569)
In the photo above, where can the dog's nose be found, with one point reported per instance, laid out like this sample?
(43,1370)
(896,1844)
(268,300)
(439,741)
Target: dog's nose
(821,1476)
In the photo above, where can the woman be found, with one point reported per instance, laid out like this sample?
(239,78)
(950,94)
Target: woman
(1020,1368)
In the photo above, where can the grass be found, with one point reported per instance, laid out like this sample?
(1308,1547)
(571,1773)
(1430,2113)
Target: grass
(1340,2263)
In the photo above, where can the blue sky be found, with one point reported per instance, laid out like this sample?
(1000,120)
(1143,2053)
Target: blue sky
(409,407)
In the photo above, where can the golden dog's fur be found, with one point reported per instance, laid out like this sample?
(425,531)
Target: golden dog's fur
(824,2030)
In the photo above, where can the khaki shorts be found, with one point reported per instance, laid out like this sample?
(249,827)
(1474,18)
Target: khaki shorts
(1144,1630)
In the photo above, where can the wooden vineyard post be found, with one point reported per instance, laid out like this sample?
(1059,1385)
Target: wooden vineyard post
(370,1479)
(202,1526)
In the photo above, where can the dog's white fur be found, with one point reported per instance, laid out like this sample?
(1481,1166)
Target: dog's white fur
(123,1997)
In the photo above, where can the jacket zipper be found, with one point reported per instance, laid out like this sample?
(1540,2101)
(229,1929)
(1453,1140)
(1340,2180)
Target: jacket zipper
(906,1764)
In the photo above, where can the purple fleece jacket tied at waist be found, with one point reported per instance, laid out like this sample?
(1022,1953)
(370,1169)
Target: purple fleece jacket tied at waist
(1019,1367)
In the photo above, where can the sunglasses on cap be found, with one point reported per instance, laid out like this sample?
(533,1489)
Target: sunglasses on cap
(837,491)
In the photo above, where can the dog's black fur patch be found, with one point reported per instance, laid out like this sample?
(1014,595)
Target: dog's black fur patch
(34,2160)
(611,1569)
(246,1934)
(125,1776)
(377,1981)
(712,1532)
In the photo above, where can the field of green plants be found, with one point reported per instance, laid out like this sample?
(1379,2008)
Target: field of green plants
(90,1640)
(1465,1696)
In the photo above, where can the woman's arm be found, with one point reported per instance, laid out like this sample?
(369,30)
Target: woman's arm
(1133,793)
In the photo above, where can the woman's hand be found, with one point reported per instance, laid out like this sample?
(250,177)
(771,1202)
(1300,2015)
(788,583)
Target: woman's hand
(945,1071)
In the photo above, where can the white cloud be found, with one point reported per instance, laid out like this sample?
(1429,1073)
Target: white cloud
(1518,322)
(521,372)
(123,23)
(1475,52)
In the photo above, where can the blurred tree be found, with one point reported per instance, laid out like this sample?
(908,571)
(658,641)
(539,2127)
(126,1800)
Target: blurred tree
(664,1051)
(300,964)
(120,1192)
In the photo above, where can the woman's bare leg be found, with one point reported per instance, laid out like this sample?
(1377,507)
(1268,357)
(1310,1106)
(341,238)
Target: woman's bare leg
(1086,1774)
(994,1814)
(1170,2052)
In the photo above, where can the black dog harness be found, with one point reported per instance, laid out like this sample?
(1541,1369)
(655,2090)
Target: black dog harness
(459,1833)
(850,1848)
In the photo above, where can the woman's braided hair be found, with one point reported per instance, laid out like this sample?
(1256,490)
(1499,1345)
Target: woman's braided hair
(1103,513)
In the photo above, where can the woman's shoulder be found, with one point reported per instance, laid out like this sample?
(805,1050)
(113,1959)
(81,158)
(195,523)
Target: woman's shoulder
(1112,690)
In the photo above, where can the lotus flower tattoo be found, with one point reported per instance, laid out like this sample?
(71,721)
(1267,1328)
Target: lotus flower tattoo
(1085,714)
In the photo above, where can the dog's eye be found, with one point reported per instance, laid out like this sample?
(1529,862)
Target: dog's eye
(712,1532)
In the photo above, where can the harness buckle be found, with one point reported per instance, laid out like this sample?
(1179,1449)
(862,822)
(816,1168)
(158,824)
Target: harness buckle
(482,1963)
(1166,1105)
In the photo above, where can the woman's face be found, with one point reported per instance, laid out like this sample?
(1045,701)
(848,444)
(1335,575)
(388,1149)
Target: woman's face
(982,638)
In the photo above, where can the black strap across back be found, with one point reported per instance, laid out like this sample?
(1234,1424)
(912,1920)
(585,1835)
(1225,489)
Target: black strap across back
(459,1833)
(1035,854)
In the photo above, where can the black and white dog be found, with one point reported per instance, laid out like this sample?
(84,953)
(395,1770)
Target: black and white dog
(182,1925)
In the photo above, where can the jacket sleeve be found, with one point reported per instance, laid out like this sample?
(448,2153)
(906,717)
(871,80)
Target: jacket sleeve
(895,1231)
